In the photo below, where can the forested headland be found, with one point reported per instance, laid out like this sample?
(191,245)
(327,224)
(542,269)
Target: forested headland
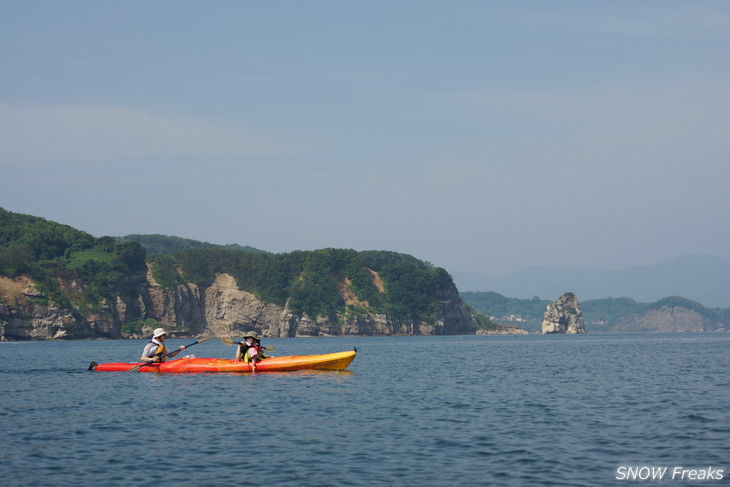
(74,270)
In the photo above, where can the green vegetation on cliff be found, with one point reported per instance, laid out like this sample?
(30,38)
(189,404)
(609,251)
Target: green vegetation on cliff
(312,282)
(157,245)
(46,251)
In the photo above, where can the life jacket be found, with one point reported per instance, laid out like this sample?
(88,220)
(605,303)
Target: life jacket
(259,352)
(244,349)
(161,351)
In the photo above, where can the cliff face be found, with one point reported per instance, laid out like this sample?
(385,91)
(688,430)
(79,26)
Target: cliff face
(221,309)
(26,314)
(564,316)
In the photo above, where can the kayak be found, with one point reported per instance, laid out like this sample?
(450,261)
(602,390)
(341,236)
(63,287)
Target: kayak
(329,361)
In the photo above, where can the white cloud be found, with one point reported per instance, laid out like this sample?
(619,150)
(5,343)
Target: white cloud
(97,134)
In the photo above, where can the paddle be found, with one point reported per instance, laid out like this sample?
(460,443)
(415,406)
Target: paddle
(137,367)
(229,341)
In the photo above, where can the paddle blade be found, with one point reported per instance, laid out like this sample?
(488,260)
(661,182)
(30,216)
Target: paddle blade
(135,368)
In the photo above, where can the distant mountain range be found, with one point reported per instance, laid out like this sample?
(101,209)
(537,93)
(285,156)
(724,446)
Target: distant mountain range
(701,278)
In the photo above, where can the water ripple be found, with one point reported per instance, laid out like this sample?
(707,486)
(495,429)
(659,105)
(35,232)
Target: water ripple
(534,410)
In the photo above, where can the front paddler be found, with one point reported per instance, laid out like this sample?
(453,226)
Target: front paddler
(156,350)
(250,350)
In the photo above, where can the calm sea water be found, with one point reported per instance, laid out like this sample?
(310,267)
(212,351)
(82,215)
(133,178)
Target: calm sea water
(447,411)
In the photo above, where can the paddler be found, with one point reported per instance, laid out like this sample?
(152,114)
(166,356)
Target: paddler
(156,350)
(250,350)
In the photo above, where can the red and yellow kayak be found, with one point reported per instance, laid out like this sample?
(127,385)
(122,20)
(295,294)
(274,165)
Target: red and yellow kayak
(330,361)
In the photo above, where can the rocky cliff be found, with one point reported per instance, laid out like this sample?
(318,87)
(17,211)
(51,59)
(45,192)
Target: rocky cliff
(221,309)
(564,316)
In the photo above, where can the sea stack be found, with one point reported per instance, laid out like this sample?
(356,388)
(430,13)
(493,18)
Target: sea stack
(564,316)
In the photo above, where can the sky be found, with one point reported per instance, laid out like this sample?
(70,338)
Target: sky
(481,136)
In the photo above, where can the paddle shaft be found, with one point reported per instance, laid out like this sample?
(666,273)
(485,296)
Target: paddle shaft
(137,367)
(229,341)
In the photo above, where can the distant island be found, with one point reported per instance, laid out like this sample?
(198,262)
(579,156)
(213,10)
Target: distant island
(670,314)
(701,278)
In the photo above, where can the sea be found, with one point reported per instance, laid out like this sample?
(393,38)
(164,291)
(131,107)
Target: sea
(531,410)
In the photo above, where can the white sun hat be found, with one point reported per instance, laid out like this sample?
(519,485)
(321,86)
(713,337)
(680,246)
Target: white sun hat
(158,332)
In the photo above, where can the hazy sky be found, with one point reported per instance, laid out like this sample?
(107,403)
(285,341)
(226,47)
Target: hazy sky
(481,136)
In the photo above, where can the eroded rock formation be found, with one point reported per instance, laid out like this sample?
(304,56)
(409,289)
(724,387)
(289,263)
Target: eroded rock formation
(563,316)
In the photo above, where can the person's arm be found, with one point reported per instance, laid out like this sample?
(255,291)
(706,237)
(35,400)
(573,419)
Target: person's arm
(254,356)
(148,354)
(182,347)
